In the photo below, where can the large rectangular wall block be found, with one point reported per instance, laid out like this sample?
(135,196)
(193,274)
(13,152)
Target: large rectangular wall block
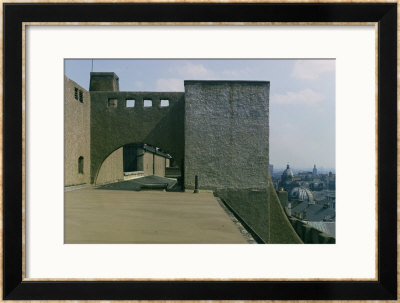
(76,134)
(226,134)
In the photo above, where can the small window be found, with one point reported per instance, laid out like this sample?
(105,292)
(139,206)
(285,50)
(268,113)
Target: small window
(76,93)
(80,165)
(80,96)
(130,103)
(164,103)
(147,103)
(112,102)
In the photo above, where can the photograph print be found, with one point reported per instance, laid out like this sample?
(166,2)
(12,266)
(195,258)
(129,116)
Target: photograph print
(199,151)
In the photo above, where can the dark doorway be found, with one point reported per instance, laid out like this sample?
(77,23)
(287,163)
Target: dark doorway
(130,156)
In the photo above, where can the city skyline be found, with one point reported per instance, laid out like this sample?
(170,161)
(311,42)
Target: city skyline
(302,97)
(320,169)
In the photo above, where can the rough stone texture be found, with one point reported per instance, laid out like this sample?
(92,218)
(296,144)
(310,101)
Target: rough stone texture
(226,134)
(261,210)
(113,127)
(227,146)
(112,168)
(77,134)
(280,231)
(283,198)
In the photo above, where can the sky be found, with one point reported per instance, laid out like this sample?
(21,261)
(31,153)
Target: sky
(302,97)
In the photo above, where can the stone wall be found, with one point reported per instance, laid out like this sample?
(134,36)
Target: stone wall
(261,211)
(114,124)
(112,168)
(226,134)
(76,133)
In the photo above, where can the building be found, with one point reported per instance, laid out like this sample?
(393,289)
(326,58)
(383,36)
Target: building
(77,134)
(287,180)
(216,132)
(145,159)
(309,200)
(315,171)
(302,194)
(189,128)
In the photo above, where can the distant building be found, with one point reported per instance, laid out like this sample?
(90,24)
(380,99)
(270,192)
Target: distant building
(302,194)
(288,180)
(308,198)
(146,159)
(287,176)
(271,169)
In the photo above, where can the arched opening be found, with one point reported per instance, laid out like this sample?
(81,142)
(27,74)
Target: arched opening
(146,159)
(80,165)
(136,160)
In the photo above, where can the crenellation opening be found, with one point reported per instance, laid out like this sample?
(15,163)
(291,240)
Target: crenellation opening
(164,102)
(130,103)
(147,103)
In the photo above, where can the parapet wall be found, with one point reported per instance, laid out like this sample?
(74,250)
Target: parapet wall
(227,134)
(262,212)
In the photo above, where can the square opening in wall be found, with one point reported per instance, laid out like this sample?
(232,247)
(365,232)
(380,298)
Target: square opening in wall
(147,103)
(130,103)
(112,102)
(164,103)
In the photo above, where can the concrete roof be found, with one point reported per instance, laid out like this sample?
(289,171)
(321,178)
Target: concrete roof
(122,216)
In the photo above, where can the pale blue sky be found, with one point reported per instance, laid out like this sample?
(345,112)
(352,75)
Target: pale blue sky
(302,97)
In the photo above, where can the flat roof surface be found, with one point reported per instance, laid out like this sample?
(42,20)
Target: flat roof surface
(118,216)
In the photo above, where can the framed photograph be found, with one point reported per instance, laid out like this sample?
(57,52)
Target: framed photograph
(196,151)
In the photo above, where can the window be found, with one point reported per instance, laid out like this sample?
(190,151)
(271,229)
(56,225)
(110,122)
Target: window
(164,103)
(130,103)
(76,93)
(147,103)
(80,96)
(112,102)
(80,165)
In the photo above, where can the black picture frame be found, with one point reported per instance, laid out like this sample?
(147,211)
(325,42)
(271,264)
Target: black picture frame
(14,14)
